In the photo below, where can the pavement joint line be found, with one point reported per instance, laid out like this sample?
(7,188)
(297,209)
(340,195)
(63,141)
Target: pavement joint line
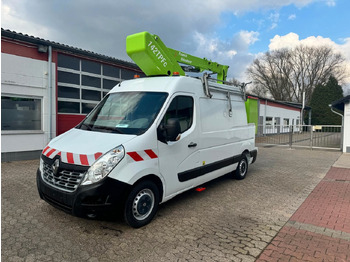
(319,230)
(335,180)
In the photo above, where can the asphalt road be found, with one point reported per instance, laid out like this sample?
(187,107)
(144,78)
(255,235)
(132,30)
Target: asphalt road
(230,221)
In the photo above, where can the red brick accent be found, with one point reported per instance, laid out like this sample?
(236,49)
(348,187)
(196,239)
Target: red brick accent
(338,174)
(329,204)
(300,245)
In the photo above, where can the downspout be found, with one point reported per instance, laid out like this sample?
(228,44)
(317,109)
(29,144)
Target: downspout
(264,120)
(50,92)
(342,126)
(301,122)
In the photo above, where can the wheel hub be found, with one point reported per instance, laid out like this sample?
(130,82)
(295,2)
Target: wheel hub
(143,204)
(243,168)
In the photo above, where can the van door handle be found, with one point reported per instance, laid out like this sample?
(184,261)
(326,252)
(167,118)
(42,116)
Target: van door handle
(192,144)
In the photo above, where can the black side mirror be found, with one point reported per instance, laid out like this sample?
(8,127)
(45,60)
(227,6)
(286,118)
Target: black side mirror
(173,129)
(170,131)
(161,133)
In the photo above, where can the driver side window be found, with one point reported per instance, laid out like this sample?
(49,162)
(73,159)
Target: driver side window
(181,108)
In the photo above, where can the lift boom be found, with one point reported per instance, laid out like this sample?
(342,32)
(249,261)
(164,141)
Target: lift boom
(153,57)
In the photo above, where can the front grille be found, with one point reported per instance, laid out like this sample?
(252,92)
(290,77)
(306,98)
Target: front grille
(65,180)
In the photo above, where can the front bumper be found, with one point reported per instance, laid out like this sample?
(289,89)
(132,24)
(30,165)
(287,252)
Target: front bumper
(106,196)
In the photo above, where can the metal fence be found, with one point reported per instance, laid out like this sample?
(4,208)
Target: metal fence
(318,136)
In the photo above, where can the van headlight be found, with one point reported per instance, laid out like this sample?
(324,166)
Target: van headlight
(41,166)
(104,165)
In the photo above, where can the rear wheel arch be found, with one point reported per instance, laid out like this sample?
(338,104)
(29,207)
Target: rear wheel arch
(246,152)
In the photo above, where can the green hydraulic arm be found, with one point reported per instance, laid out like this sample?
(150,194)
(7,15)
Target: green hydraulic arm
(153,57)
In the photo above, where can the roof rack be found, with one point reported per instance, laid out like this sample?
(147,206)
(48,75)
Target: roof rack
(210,84)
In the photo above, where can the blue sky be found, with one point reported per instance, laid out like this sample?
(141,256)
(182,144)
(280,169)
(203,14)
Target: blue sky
(232,32)
(315,19)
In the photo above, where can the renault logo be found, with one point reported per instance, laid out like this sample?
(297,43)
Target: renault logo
(55,167)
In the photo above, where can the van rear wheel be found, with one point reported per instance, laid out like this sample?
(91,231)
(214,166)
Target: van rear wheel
(141,204)
(242,168)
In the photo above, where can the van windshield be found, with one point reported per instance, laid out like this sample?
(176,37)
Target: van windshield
(125,113)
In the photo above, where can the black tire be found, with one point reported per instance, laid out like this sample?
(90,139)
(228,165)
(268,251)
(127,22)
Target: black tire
(141,205)
(242,168)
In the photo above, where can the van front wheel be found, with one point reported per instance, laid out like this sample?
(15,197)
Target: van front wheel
(242,168)
(141,204)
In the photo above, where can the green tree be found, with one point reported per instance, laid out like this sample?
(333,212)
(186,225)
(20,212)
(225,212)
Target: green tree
(322,96)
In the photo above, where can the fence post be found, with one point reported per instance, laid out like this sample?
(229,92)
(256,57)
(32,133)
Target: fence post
(291,134)
(311,138)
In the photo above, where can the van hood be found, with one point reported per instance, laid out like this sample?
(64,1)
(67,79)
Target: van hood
(83,147)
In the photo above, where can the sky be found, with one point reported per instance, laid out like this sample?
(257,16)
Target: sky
(230,32)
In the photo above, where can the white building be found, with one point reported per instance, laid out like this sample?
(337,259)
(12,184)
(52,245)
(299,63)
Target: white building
(48,88)
(343,105)
(273,117)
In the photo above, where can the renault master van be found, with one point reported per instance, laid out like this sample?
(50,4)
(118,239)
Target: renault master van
(147,141)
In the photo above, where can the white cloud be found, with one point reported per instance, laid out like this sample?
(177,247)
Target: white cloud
(292,39)
(330,3)
(274,18)
(273,26)
(292,17)
(233,52)
(249,37)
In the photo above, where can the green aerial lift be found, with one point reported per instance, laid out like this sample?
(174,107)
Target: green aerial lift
(156,59)
(153,57)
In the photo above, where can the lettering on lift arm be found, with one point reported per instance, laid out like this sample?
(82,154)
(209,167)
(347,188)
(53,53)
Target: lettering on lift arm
(184,58)
(158,54)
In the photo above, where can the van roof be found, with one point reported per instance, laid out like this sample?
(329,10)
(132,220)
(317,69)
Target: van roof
(169,84)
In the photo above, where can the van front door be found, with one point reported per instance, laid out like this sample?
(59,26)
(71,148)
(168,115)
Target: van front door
(179,159)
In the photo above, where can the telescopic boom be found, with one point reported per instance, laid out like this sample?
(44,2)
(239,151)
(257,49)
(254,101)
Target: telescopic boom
(154,58)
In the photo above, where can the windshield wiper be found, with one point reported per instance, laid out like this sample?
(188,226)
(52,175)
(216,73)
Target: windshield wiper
(88,126)
(111,129)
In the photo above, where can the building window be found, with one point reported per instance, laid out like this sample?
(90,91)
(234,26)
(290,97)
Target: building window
(90,67)
(18,113)
(82,83)
(91,95)
(268,121)
(68,62)
(68,107)
(91,81)
(111,71)
(285,121)
(68,92)
(127,74)
(109,84)
(69,78)
(87,107)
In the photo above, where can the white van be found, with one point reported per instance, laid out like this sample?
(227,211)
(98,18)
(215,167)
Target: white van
(147,141)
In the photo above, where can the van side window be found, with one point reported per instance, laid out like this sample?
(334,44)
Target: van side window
(181,108)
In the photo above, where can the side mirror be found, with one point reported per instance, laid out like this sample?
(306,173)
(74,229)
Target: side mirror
(173,129)
(170,131)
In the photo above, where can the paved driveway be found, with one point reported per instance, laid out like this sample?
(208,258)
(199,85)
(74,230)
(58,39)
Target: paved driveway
(230,221)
